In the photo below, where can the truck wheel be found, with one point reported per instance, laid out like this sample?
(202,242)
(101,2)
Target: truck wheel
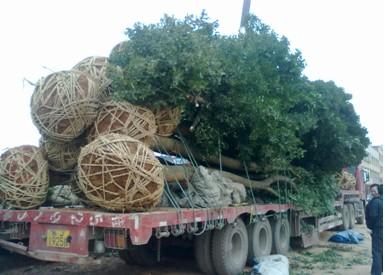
(260,240)
(281,236)
(345,218)
(202,249)
(352,216)
(230,246)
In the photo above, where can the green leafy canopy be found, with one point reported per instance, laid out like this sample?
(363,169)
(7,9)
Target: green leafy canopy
(246,91)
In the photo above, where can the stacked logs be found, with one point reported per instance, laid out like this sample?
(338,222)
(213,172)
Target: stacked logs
(101,147)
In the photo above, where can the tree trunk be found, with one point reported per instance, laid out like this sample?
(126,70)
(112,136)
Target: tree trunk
(170,145)
(183,173)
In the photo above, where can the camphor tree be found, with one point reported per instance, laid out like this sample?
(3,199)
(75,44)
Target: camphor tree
(244,95)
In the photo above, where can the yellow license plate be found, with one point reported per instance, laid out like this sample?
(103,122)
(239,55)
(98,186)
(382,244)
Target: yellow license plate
(58,238)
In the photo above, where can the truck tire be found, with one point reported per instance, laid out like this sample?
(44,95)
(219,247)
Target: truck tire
(281,236)
(230,246)
(260,240)
(352,216)
(202,250)
(345,217)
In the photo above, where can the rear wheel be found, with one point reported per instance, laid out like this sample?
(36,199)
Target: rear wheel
(260,240)
(352,216)
(202,249)
(281,235)
(230,246)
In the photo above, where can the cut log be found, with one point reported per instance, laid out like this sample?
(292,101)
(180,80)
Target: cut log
(184,173)
(170,145)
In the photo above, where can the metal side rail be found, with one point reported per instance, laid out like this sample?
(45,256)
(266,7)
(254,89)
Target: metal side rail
(80,224)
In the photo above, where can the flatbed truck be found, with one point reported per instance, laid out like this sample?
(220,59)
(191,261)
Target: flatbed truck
(224,239)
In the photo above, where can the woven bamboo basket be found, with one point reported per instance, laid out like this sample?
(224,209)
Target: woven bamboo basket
(167,120)
(23,177)
(64,104)
(61,156)
(96,68)
(120,173)
(124,118)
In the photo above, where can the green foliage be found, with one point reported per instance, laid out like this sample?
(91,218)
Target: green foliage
(246,96)
(163,64)
(337,140)
(316,192)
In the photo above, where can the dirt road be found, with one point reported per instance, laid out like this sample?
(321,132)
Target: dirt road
(331,258)
(325,258)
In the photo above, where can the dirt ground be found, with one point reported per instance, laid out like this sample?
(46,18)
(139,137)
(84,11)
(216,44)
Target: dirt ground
(332,258)
(324,258)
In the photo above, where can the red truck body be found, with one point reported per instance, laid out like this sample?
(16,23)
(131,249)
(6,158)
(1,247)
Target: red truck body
(65,234)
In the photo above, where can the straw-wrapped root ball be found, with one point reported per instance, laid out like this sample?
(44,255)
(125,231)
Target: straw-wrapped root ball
(23,177)
(96,68)
(167,120)
(64,104)
(124,118)
(61,156)
(120,173)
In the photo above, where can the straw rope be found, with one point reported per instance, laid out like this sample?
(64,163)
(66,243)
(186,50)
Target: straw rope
(23,177)
(346,180)
(124,118)
(64,104)
(167,119)
(120,173)
(61,157)
(96,68)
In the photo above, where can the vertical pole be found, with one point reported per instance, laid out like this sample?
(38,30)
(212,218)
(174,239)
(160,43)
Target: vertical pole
(245,12)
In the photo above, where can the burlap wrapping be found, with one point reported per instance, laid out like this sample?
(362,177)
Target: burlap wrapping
(120,173)
(211,189)
(70,179)
(61,195)
(167,119)
(64,104)
(124,118)
(96,68)
(23,177)
(61,156)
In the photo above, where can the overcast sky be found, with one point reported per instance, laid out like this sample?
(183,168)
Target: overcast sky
(342,40)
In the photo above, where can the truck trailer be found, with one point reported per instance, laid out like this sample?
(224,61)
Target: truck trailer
(224,239)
